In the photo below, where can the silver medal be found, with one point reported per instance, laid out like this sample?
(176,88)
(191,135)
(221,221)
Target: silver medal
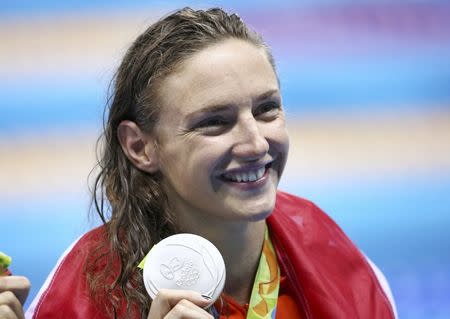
(185,262)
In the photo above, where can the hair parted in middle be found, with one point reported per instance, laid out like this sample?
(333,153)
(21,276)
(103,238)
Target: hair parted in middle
(131,202)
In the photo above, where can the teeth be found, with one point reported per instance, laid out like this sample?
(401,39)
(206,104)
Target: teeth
(260,172)
(247,177)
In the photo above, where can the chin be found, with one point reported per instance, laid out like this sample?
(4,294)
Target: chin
(259,217)
(259,212)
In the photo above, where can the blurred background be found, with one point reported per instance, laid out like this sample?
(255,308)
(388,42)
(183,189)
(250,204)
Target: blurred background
(366,85)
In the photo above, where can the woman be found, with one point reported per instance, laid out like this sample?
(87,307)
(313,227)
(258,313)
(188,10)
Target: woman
(196,142)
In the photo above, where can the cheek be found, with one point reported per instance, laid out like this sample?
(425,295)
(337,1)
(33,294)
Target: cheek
(206,155)
(279,140)
(283,138)
(192,160)
(278,135)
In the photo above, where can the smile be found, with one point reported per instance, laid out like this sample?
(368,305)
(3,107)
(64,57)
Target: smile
(250,175)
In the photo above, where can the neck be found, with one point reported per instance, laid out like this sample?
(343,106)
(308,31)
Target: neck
(240,244)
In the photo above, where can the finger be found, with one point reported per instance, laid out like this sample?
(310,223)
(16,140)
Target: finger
(166,299)
(18,285)
(7,313)
(10,306)
(187,310)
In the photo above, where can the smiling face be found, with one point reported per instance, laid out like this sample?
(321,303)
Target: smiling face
(222,141)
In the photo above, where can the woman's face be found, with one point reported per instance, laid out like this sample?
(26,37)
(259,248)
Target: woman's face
(222,137)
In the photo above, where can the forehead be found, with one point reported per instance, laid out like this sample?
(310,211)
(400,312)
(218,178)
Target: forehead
(230,72)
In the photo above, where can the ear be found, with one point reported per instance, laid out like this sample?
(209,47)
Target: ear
(139,147)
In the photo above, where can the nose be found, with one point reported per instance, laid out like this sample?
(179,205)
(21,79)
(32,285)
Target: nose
(251,143)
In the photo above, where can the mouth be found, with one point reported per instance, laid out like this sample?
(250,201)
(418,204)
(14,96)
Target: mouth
(251,175)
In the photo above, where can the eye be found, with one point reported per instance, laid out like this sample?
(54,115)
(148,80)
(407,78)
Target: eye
(267,111)
(212,122)
(213,125)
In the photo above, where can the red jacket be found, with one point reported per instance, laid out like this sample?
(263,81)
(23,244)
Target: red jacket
(333,278)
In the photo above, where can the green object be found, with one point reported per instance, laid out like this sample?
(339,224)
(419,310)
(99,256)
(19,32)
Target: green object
(142,263)
(5,260)
(264,298)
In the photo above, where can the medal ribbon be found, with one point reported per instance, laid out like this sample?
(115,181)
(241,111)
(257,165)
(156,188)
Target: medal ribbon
(263,301)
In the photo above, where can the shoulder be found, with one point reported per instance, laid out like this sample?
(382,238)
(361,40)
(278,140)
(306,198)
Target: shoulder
(290,200)
(65,291)
(383,283)
(313,242)
(299,219)
(289,203)
(290,207)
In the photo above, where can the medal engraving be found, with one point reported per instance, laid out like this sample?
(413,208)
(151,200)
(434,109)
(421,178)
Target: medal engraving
(185,261)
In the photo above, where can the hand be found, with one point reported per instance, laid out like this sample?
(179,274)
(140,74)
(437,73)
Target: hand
(174,304)
(13,293)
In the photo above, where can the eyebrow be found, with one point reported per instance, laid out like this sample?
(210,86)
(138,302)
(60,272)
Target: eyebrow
(266,95)
(224,107)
